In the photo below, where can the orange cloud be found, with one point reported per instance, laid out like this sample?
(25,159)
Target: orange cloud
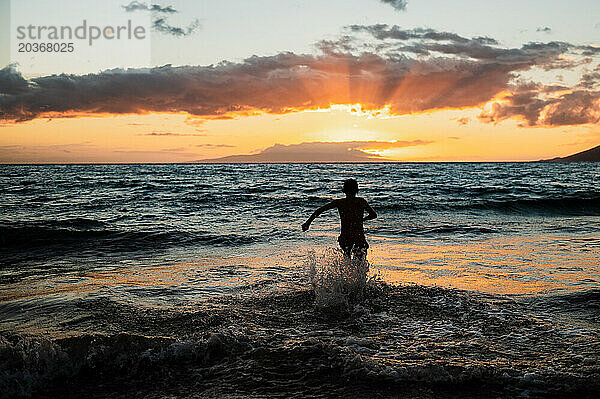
(540,105)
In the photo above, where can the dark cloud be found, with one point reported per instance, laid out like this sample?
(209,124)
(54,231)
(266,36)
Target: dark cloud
(404,71)
(384,31)
(11,82)
(137,6)
(318,151)
(521,102)
(590,79)
(275,84)
(396,41)
(463,121)
(399,5)
(537,106)
(578,107)
(544,29)
(161,25)
(167,10)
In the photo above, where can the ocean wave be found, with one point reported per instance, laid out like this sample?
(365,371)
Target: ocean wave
(34,367)
(435,230)
(587,301)
(411,340)
(589,297)
(566,206)
(547,206)
(80,233)
(27,182)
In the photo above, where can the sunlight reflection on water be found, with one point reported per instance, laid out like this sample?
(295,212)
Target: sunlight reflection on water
(501,265)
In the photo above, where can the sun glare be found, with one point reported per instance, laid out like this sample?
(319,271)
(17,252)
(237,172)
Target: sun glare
(358,110)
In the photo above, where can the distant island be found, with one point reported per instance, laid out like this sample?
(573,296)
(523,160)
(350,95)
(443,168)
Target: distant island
(591,155)
(318,151)
(351,151)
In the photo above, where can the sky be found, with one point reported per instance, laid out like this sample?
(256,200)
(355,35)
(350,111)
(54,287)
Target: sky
(285,81)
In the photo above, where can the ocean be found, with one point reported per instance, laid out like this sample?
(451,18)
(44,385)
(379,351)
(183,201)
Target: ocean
(197,281)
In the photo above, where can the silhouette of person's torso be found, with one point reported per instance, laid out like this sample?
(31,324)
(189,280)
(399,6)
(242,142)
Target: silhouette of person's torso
(351,211)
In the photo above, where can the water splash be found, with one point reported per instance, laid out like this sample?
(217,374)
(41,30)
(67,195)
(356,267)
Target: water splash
(338,281)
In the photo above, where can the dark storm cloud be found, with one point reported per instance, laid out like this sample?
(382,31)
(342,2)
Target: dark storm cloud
(406,71)
(318,151)
(399,5)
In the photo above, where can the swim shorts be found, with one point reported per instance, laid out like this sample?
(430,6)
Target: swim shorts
(353,243)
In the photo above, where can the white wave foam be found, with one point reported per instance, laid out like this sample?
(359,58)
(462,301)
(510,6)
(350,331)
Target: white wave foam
(336,279)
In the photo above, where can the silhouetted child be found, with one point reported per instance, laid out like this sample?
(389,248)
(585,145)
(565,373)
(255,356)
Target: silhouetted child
(352,209)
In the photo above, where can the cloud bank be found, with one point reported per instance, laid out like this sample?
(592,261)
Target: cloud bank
(377,66)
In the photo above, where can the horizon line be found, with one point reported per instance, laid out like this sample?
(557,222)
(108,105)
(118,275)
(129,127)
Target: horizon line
(271,163)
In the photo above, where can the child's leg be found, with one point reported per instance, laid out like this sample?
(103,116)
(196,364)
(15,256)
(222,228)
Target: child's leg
(360,248)
(347,251)
(346,246)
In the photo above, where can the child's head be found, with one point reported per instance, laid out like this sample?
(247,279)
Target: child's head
(350,187)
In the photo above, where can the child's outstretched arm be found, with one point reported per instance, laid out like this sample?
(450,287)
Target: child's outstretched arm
(316,213)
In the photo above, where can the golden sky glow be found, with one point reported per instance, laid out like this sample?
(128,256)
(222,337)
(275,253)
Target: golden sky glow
(176,138)
(366,91)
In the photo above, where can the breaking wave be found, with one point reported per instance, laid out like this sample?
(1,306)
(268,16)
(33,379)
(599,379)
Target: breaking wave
(75,234)
(321,342)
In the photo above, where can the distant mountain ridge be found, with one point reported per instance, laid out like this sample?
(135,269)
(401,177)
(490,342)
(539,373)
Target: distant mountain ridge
(591,155)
